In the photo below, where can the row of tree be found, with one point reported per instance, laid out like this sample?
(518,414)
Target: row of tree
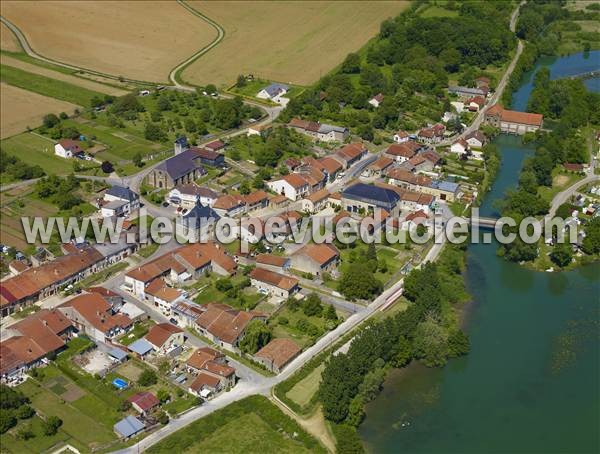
(426,330)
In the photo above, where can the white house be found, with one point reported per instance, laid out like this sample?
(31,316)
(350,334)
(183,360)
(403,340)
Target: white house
(67,148)
(401,137)
(274,92)
(476,139)
(459,147)
(188,195)
(119,201)
(376,100)
(293,186)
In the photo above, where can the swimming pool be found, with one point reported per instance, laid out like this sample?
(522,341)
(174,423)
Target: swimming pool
(120,383)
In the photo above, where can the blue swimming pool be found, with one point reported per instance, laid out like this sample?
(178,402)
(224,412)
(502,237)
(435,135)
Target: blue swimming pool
(120,383)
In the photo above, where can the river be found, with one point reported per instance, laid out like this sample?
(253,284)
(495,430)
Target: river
(531,382)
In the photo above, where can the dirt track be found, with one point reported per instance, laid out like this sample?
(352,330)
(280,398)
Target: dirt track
(136,39)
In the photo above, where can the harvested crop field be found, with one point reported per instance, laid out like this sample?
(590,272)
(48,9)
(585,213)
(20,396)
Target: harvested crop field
(90,85)
(22,108)
(286,41)
(140,40)
(8,41)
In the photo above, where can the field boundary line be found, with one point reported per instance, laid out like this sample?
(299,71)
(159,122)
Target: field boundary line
(175,74)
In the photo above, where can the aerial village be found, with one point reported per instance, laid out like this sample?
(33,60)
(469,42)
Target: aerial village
(165,328)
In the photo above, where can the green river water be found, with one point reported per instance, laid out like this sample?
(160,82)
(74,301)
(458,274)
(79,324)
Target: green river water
(531,383)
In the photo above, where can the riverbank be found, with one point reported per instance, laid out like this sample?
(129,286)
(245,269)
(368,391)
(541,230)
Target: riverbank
(530,380)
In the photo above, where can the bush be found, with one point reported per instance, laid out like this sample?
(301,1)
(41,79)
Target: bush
(51,425)
(25,412)
(147,378)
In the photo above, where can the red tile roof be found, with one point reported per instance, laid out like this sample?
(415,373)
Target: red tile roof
(96,312)
(226,323)
(280,351)
(144,400)
(201,356)
(160,333)
(273,260)
(272,278)
(203,379)
(321,253)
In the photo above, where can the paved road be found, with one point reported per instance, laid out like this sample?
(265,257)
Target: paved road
(563,196)
(243,390)
(478,120)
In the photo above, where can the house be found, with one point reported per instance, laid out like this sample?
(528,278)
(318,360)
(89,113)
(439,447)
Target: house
(165,338)
(351,153)
(571,167)
(258,130)
(17,266)
(210,362)
(26,343)
(443,190)
(365,198)
(274,263)
(401,137)
(47,279)
(256,200)
(405,179)
(277,354)
(210,157)
(376,100)
(186,312)
(415,219)
(67,148)
(311,173)
(323,132)
(378,168)
(143,402)
(292,163)
(185,262)
(119,201)
(476,103)
(214,146)
(163,296)
(513,122)
(188,195)
(293,186)
(460,146)
(476,139)
(184,167)
(204,385)
(198,223)
(272,283)
(316,201)
(332,167)
(432,157)
(229,205)
(335,200)
(274,92)
(468,92)
(278,201)
(224,325)
(316,259)
(403,151)
(114,299)
(92,315)
(433,134)
(128,427)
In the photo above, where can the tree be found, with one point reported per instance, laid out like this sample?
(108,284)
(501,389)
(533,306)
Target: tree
(124,405)
(25,433)
(372,383)
(137,159)
(25,412)
(50,120)
(147,378)
(358,283)
(562,254)
(241,81)
(245,187)
(190,125)
(210,89)
(51,425)
(153,132)
(330,313)
(351,64)
(404,354)
(356,411)
(312,305)
(163,395)
(258,334)
(7,421)
(591,242)
(162,417)
(431,343)
(163,104)
(107,167)
(458,343)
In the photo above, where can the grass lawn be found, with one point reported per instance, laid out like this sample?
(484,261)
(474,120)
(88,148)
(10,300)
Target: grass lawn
(39,443)
(180,404)
(49,87)
(251,425)
(291,331)
(103,275)
(140,329)
(148,250)
(560,181)
(210,294)
(303,391)
(37,150)
(438,11)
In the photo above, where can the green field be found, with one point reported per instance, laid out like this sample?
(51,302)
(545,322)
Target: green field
(47,86)
(251,425)
(36,150)
(438,11)
(303,391)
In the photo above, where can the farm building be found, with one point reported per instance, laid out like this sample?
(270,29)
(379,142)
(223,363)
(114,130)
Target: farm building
(511,121)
